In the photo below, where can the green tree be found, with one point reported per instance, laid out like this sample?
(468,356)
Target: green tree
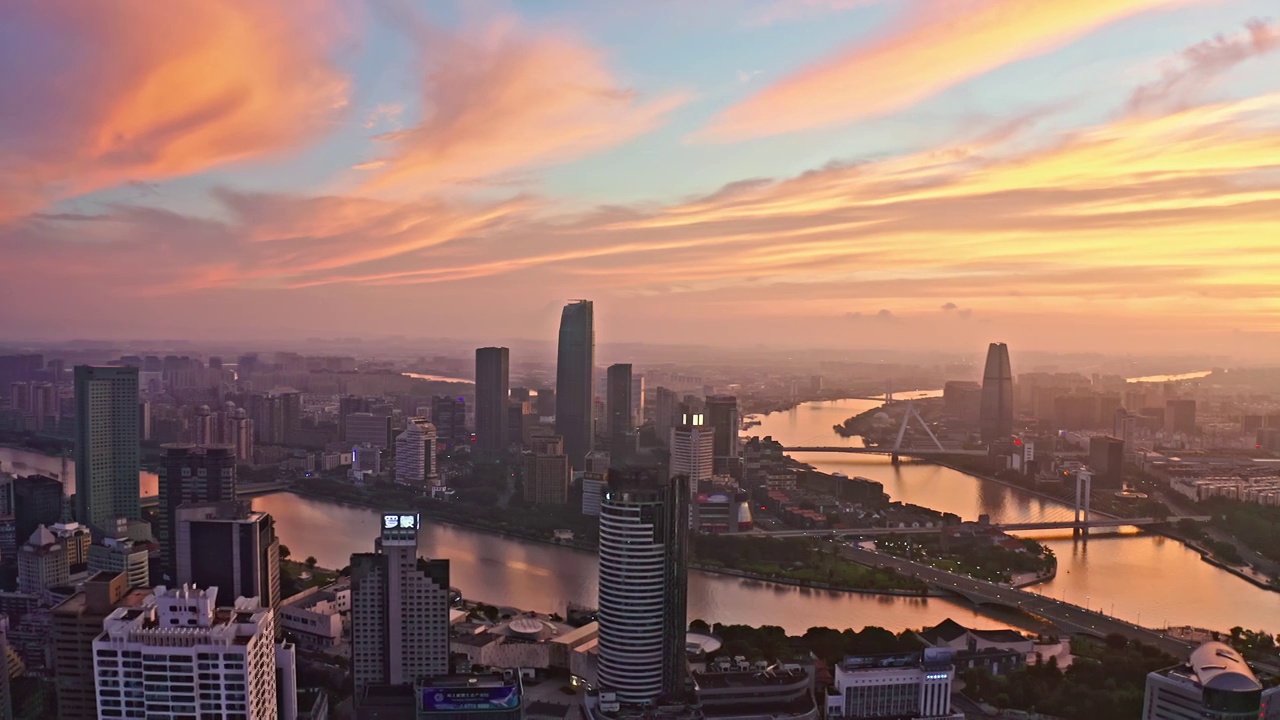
(310,562)
(284,551)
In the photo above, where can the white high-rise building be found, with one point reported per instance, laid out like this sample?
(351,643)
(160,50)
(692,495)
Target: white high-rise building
(416,453)
(399,609)
(915,685)
(180,655)
(693,451)
(643,588)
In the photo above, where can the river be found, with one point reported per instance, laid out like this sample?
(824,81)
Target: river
(1143,578)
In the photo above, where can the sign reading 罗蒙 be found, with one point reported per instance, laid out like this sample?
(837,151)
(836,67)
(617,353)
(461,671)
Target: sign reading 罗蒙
(399,520)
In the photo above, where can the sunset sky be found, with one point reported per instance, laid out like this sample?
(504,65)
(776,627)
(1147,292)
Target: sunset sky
(1056,174)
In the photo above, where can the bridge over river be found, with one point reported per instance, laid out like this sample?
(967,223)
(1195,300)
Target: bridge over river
(1003,527)
(1068,618)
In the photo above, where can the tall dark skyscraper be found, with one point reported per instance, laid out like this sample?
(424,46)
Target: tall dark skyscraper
(492,378)
(190,474)
(644,532)
(575,362)
(449,415)
(723,417)
(621,407)
(106,445)
(996,412)
(230,546)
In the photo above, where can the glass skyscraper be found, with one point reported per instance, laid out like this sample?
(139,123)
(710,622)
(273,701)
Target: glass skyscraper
(575,363)
(106,445)
(492,379)
(996,411)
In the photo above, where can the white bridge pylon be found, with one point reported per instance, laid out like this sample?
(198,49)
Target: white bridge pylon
(910,412)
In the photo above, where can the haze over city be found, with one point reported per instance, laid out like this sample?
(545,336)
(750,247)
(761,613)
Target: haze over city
(1096,174)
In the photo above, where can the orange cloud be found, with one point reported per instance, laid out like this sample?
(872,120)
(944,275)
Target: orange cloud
(507,98)
(114,91)
(938,44)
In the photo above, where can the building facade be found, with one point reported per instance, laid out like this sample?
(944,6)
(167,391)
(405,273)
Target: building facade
(190,474)
(901,685)
(575,365)
(106,444)
(77,621)
(620,404)
(416,454)
(546,472)
(42,563)
(449,415)
(231,547)
(693,452)
(1214,684)
(492,391)
(722,415)
(996,409)
(195,658)
(643,585)
(399,609)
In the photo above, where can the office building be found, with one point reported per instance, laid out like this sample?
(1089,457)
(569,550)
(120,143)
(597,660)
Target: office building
(962,400)
(197,659)
(367,428)
(1180,416)
(637,400)
(239,434)
(229,546)
(575,363)
(37,500)
(117,553)
(996,409)
(399,609)
(546,471)
(75,540)
(106,444)
(1106,459)
(621,414)
(644,524)
(1214,684)
(349,405)
(692,451)
(900,685)
(722,416)
(317,617)
(492,378)
(77,621)
(190,474)
(449,415)
(416,454)
(6,693)
(593,487)
(42,563)
(546,402)
(666,410)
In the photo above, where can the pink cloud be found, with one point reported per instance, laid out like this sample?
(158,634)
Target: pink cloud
(935,45)
(108,92)
(510,97)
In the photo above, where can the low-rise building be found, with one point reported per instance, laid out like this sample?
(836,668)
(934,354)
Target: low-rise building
(318,618)
(912,685)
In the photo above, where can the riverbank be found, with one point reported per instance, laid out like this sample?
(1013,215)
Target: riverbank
(1205,554)
(589,547)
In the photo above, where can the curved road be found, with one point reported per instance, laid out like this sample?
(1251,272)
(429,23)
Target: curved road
(1069,618)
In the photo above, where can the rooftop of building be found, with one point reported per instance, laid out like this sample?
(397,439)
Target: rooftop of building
(949,630)
(773,677)
(470,681)
(1215,666)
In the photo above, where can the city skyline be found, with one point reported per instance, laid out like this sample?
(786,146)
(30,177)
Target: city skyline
(685,167)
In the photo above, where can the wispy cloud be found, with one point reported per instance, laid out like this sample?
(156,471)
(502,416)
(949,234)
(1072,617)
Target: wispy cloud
(109,92)
(933,45)
(508,96)
(1201,63)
